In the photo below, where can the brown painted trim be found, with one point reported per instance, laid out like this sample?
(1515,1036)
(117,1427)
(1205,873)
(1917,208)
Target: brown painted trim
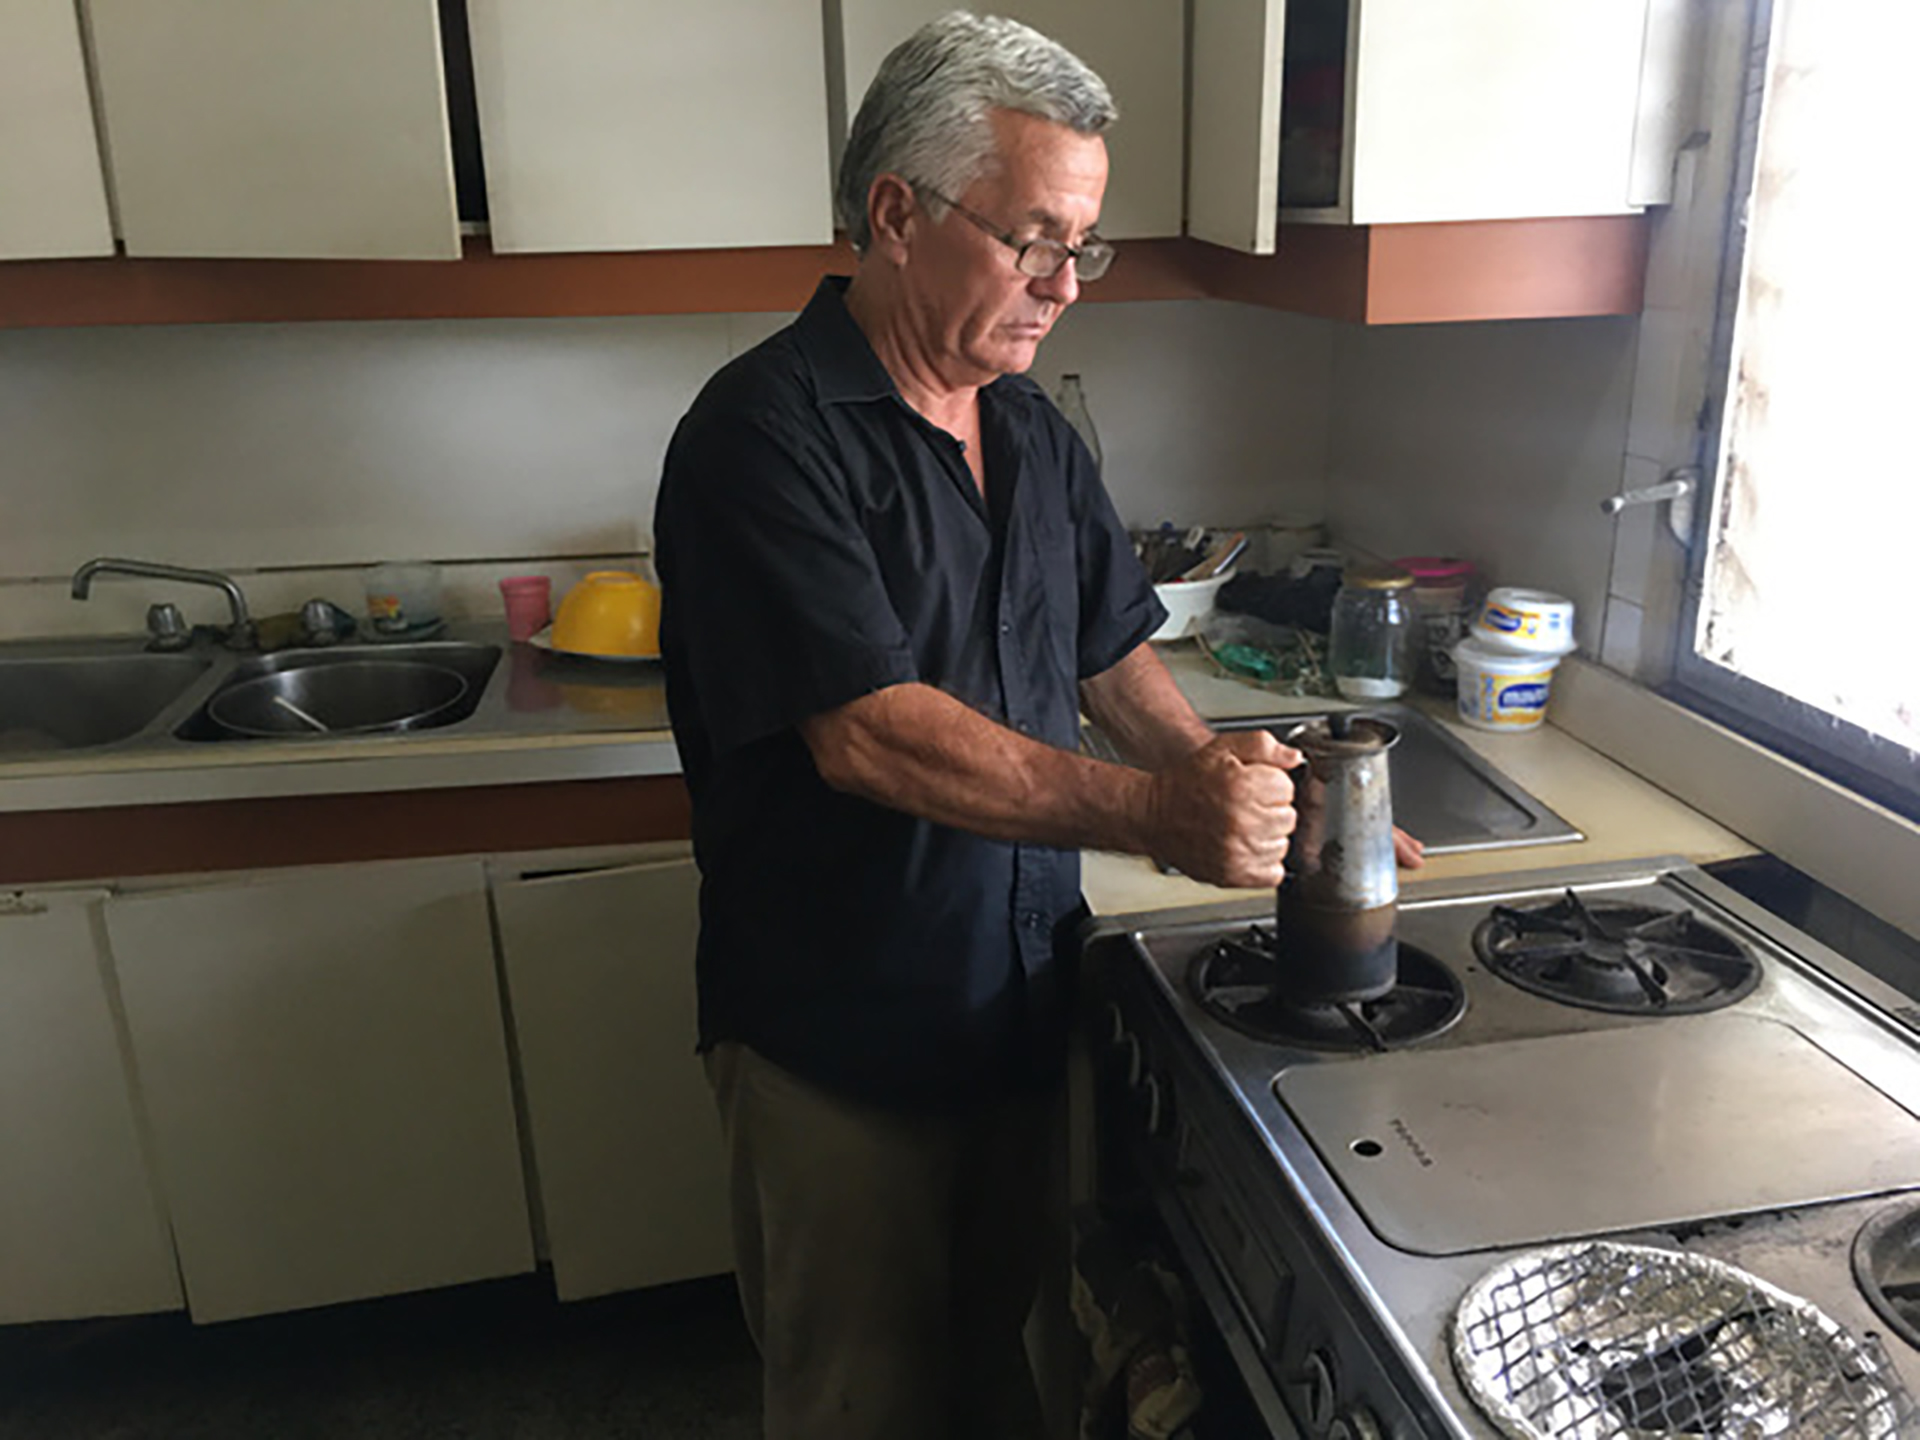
(1507,270)
(660,282)
(1379,275)
(1318,270)
(44,847)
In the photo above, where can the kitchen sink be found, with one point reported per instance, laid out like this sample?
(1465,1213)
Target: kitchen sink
(50,703)
(347,690)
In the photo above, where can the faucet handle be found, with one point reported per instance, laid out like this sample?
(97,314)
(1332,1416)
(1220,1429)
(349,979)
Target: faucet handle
(167,627)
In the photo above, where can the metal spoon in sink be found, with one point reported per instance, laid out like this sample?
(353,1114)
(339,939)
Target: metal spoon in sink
(298,713)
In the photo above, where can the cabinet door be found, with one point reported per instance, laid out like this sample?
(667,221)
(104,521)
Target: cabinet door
(53,197)
(1494,109)
(611,125)
(1137,46)
(324,1065)
(625,1138)
(81,1230)
(1233,140)
(237,128)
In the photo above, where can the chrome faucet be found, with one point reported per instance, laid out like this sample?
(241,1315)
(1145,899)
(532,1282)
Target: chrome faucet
(240,634)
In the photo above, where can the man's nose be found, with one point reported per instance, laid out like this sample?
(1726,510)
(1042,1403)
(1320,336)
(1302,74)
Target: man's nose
(1062,287)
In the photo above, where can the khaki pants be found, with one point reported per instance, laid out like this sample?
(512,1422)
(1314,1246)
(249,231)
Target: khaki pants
(886,1262)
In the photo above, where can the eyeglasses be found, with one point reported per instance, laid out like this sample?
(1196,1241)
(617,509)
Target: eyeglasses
(1039,259)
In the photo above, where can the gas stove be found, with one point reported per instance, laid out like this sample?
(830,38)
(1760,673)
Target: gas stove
(1626,1064)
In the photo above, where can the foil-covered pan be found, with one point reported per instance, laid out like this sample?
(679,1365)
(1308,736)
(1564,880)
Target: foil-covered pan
(1605,1341)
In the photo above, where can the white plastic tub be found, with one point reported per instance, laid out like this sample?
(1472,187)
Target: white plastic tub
(1535,621)
(1501,690)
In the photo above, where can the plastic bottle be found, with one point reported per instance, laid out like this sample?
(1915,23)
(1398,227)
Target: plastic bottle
(1072,402)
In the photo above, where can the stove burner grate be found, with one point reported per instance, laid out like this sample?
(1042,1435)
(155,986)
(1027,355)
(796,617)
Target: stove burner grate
(1235,981)
(1886,1263)
(1608,955)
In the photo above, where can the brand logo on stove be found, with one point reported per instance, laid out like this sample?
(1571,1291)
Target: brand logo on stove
(1418,1150)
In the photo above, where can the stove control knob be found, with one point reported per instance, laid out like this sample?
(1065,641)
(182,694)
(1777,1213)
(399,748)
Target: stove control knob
(1358,1423)
(1323,1391)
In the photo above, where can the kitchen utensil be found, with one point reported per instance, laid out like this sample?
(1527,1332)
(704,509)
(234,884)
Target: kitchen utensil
(528,600)
(1500,690)
(1535,622)
(294,710)
(1219,556)
(609,613)
(1335,910)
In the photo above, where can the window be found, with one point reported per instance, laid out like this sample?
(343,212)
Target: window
(1803,626)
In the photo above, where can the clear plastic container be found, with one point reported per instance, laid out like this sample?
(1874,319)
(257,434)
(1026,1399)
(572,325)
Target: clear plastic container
(1443,602)
(1370,643)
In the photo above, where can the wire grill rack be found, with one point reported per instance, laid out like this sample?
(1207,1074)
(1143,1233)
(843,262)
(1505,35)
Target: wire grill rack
(1605,1341)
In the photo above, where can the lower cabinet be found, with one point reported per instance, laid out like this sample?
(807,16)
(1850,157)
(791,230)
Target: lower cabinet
(624,1137)
(322,1060)
(81,1229)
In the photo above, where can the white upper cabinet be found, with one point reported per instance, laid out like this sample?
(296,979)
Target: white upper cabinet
(1137,46)
(615,125)
(316,130)
(1410,111)
(53,197)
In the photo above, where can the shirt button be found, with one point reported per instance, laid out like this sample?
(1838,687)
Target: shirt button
(1034,919)
(1023,727)
(1006,627)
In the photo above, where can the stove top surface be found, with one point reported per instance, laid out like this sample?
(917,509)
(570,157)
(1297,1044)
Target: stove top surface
(1743,1093)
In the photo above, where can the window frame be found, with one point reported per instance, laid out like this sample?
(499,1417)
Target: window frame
(1880,769)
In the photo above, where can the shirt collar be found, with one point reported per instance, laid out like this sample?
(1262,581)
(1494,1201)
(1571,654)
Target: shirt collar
(844,365)
(845,369)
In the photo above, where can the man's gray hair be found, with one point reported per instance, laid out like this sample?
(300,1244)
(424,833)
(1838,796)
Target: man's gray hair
(926,116)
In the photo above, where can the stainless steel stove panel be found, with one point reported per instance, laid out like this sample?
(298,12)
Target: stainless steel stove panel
(1362,1324)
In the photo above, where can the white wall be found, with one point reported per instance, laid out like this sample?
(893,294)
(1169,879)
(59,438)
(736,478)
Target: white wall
(1492,442)
(290,454)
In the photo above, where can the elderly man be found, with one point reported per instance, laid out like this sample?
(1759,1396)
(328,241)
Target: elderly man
(892,582)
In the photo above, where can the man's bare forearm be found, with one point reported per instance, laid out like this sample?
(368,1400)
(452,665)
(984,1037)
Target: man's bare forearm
(1221,812)
(1140,708)
(918,749)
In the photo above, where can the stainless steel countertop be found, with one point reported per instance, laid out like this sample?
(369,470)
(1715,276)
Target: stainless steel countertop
(540,716)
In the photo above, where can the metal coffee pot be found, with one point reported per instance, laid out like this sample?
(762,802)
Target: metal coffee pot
(1335,910)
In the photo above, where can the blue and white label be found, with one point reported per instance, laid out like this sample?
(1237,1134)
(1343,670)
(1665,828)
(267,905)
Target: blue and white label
(1528,695)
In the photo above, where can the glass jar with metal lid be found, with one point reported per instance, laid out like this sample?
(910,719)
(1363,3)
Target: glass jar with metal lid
(1370,643)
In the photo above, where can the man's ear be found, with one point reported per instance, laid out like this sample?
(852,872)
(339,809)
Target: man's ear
(892,209)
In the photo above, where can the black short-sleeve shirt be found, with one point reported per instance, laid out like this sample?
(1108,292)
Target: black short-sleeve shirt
(817,540)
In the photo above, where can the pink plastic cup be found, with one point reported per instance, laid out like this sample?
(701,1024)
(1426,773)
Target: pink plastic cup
(528,598)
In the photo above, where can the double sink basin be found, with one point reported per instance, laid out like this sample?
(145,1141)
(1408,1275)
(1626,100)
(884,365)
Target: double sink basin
(112,696)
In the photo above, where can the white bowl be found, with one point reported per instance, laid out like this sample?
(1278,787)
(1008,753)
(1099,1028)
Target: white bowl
(1188,602)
